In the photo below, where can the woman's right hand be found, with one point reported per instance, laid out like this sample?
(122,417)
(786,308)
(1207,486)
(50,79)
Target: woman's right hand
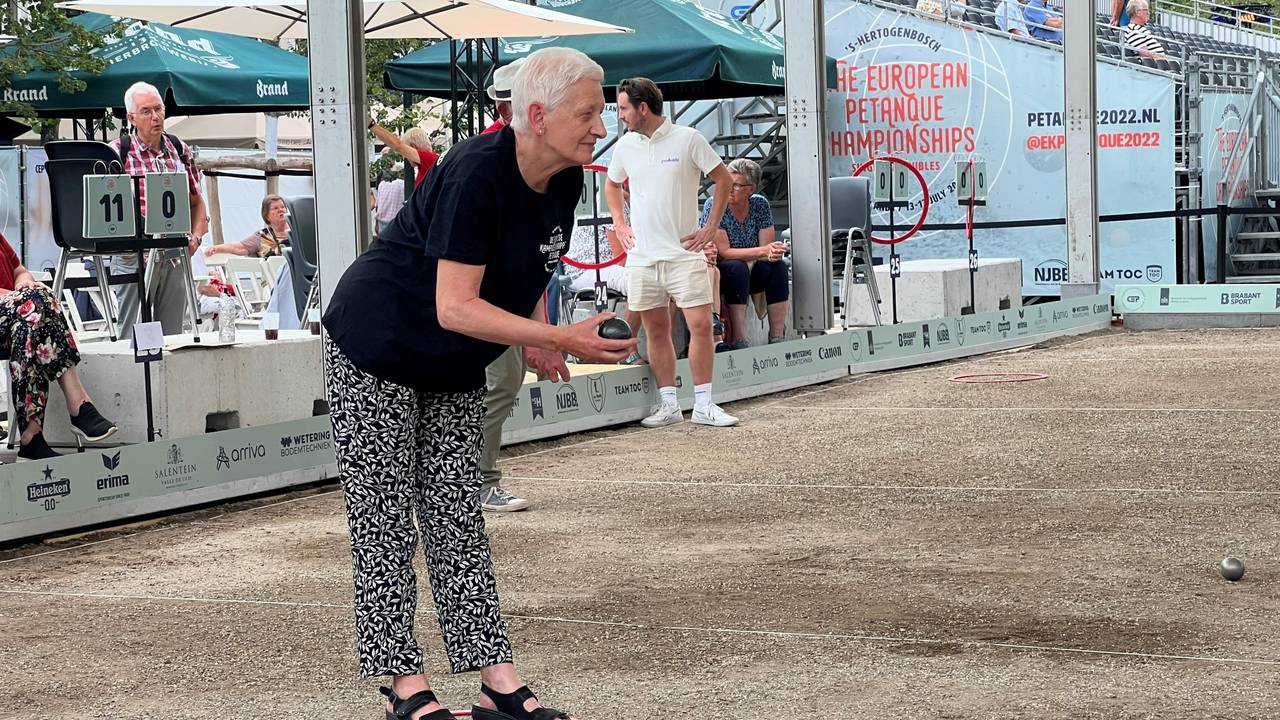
(209,252)
(583,341)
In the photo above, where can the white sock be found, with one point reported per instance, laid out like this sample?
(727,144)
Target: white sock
(701,396)
(668,395)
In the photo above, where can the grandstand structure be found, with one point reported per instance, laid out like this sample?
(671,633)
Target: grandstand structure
(1227,106)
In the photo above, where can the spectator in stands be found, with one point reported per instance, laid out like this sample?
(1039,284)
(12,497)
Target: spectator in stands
(750,258)
(390,196)
(209,294)
(1043,23)
(40,349)
(936,7)
(1009,17)
(148,148)
(1138,36)
(504,79)
(414,146)
(1119,13)
(266,242)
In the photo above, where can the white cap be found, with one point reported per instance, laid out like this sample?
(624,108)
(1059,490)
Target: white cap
(504,79)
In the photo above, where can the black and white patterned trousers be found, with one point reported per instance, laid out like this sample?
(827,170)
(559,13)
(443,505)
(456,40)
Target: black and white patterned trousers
(402,452)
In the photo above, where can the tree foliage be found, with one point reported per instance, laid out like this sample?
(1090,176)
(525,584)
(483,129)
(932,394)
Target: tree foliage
(44,40)
(377,53)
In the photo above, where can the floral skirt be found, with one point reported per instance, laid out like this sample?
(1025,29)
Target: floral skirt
(40,347)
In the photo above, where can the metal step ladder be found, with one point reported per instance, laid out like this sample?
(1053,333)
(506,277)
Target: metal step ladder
(858,270)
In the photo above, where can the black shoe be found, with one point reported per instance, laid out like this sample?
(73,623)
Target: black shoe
(722,347)
(401,709)
(717,325)
(510,706)
(90,424)
(37,449)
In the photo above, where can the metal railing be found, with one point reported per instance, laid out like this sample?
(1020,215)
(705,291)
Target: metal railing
(1223,22)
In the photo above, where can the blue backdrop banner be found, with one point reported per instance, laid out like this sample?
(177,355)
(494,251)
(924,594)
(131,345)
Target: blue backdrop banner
(936,94)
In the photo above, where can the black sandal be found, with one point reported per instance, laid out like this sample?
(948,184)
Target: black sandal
(404,709)
(511,706)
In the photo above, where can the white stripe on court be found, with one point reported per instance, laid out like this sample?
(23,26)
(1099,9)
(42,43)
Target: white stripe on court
(897,488)
(690,628)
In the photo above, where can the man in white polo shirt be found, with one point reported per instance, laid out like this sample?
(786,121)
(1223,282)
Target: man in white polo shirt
(665,163)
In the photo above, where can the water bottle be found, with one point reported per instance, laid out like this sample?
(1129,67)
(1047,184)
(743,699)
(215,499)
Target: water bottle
(226,319)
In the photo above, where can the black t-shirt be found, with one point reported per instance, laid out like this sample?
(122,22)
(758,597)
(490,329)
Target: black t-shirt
(473,208)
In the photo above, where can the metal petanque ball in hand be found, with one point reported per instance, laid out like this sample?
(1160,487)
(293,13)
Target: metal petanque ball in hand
(1231,568)
(614,329)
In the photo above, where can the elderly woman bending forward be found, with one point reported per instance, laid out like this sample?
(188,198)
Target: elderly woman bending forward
(454,280)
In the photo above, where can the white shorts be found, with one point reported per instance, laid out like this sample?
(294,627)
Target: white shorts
(654,286)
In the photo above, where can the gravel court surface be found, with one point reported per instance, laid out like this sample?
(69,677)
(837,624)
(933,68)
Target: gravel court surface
(977,564)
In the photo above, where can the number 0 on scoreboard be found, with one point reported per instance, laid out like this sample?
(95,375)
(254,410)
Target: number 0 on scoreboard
(168,204)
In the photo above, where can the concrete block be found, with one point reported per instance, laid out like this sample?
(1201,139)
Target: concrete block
(938,288)
(195,389)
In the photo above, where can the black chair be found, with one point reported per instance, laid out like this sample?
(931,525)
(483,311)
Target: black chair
(66,200)
(70,250)
(303,260)
(851,253)
(82,150)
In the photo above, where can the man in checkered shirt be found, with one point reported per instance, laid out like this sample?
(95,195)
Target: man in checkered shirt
(150,150)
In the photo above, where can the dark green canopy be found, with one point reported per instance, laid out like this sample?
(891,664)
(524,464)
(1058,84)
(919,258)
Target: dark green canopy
(196,71)
(691,52)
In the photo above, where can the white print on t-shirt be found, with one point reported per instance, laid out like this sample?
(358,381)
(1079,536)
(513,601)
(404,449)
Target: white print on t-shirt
(553,248)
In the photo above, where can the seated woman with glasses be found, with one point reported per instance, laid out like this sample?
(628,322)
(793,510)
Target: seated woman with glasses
(270,240)
(750,260)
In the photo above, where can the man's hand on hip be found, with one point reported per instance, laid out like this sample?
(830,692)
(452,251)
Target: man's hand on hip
(626,236)
(699,238)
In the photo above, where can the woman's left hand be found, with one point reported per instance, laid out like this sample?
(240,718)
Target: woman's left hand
(29,282)
(547,364)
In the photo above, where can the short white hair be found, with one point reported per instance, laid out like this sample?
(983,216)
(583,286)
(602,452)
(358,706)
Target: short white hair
(1136,5)
(545,77)
(136,89)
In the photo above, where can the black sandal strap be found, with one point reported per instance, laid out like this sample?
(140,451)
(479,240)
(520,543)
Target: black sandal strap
(402,709)
(512,704)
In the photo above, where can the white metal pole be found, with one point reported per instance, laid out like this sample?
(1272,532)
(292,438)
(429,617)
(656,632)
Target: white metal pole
(335,34)
(804,32)
(1079,87)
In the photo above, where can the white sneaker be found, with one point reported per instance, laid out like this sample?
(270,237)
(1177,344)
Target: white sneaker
(497,499)
(663,415)
(713,415)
